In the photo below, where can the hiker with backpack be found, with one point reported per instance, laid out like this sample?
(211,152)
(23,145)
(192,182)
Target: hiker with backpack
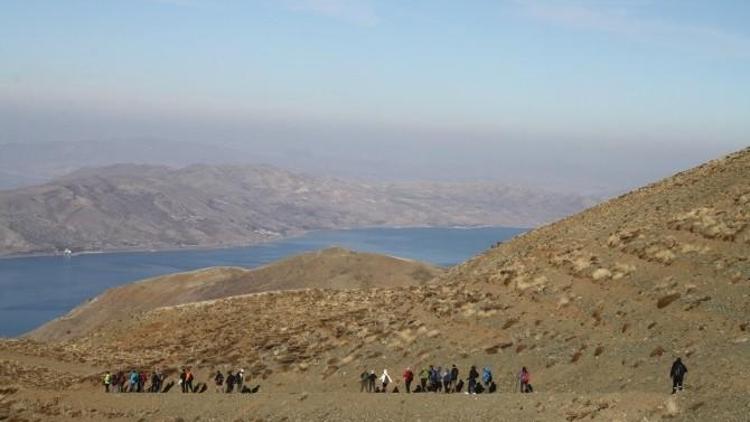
(107,381)
(677,373)
(385,379)
(424,375)
(219,380)
(155,381)
(231,379)
(524,379)
(133,381)
(408,378)
(473,375)
(446,375)
(487,377)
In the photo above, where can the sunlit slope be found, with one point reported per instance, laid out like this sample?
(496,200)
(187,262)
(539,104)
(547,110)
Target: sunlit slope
(333,268)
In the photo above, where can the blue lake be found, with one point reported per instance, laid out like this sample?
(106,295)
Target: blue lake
(34,290)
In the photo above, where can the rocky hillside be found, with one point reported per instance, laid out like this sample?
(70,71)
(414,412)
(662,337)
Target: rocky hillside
(151,207)
(333,268)
(596,306)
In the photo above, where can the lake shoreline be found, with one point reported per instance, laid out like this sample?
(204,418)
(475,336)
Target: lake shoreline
(218,247)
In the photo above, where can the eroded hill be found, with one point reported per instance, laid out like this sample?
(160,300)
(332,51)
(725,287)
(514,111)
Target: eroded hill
(333,268)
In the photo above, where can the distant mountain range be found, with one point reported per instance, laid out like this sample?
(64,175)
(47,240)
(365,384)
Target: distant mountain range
(127,206)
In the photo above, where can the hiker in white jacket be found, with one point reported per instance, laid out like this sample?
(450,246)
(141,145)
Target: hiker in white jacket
(385,379)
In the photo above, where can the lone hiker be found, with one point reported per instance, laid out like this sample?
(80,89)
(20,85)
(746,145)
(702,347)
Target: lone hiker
(107,381)
(677,373)
(385,379)
(408,378)
(524,378)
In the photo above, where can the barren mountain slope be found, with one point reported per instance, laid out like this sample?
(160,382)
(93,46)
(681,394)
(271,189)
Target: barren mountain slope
(333,268)
(597,306)
(148,207)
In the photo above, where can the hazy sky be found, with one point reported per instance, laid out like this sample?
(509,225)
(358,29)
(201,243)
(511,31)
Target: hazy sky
(574,81)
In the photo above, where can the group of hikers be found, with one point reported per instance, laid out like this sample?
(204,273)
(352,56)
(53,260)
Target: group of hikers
(227,385)
(447,380)
(431,379)
(133,382)
(137,382)
(438,379)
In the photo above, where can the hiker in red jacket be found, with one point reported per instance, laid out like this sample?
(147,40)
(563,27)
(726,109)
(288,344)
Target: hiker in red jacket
(408,378)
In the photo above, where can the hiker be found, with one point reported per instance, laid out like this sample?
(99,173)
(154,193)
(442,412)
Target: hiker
(231,379)
(363,383)
(454,377)
(219,380)
(677,373)
(446,380)
(473,375)
(113,385)
(438,379)
(240,379)
(155,381)
(408,378)
(183,380)
(116,382)
(121,382)
(524,378)
(189,380)
(385,379)
(424,375)
(486,376)
(133,381)
(107,381)
(142,377)
(371,381)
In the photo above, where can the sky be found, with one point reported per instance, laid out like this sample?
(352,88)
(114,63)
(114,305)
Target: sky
(580,95)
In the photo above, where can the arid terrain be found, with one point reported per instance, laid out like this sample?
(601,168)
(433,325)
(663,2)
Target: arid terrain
(141,207)
(597,306)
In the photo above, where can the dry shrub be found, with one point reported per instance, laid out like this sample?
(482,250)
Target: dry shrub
(658,352)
